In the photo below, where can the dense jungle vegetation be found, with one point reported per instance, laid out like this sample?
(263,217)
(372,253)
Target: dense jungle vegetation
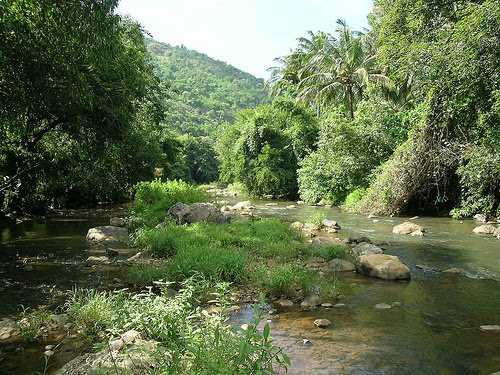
(400,118)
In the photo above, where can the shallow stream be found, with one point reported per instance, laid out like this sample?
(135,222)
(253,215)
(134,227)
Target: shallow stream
(434,330)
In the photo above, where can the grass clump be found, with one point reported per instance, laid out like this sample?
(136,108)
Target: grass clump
(92,311)
(317,218)
(32,323)
(190,340)
(154,198)
(289,279)
(327,252)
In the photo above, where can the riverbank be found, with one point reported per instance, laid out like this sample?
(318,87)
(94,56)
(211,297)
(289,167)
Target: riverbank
(423,316)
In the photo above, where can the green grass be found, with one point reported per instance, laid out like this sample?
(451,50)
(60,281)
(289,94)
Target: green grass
(328,252)
(317,218)
(154,198)
(32,323)
(264,253)
(283,280)
(196,343)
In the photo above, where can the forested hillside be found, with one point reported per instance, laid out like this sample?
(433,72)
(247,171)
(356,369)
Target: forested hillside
(203,92)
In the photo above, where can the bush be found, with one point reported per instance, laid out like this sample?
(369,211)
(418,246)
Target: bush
(348,150)
(479,176)
(262,149)
(353,199)
(153,199)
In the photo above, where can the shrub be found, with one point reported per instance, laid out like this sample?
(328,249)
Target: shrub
(152,199)
(354,197)
(479,176)
(349,149)
(262,149)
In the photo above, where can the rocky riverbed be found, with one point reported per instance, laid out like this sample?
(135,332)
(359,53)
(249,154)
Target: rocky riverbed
(422,303)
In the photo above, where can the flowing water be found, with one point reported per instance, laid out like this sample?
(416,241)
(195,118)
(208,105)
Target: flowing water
(433,329)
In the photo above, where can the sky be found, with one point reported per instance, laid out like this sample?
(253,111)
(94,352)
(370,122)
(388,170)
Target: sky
(247,34)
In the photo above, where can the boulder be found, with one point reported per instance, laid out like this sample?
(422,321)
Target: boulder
(481,218)
(117,222)
(127,355)
(365,248)
(330,224)
(197,212)
(408,228)
(340,265)
(497,233)
(9,331)
(322,323)
(245,205)
(107,233)
(382,266)
(311,301)
(284,303)
(485,229)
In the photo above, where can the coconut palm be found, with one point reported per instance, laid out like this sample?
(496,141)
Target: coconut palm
(327,69)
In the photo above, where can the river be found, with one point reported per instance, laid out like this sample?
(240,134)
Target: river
(432,329)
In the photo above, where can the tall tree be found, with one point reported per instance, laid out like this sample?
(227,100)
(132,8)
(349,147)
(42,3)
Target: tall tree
(72,68)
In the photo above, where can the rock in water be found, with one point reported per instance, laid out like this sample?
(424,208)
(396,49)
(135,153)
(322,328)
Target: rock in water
(383,306)
(365,248)
(481,218)
(197,212)
(485,229)
(382,266)
(330,224)
(311,301)
(246,205)
(322,323)
(409,228)
(107,233)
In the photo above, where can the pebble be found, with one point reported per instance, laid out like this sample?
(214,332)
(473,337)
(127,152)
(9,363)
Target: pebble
(285,303)
(244,327)
(339,305)
(327,305)
(306,342)
(322,323)
(383,306)
(48,353)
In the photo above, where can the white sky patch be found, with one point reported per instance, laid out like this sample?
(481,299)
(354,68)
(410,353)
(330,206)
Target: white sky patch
(248,34)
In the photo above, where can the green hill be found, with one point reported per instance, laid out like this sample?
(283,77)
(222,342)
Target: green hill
(205,92)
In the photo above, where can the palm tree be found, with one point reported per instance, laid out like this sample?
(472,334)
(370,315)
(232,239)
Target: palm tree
(326,69)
